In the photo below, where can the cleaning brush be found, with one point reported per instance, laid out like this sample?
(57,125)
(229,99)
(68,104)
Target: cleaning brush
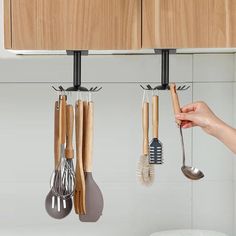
(145,171)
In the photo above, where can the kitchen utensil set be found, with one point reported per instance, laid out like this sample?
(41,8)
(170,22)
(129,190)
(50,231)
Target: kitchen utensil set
(65,181)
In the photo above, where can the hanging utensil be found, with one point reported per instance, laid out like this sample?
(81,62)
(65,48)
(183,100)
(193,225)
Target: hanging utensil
(94,198)
(69,151)
(145,171)
(57,207)
(190,172)
(155,155)
(64,177)
(79,195)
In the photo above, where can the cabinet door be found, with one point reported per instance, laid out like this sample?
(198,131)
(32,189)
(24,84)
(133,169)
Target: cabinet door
(76,24)
(222,23)
(189,23)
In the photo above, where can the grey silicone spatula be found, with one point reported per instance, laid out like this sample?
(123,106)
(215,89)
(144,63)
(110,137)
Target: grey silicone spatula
(155,149)
(93,197)
(57,207)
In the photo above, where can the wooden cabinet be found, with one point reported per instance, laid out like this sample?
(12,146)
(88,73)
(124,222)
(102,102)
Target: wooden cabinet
(72,24)
(119,24)
(188,23)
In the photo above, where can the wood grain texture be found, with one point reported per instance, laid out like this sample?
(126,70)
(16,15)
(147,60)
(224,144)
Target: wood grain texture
(76,24)
(89,138)
(222,19)
(188,23)
(7,24)
(145,124)
(69,150)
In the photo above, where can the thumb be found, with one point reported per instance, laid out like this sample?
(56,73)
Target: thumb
(185,116)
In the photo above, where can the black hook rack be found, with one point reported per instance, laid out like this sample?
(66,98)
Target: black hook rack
(165,63)
(77,55)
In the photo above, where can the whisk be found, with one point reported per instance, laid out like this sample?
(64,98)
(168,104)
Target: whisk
(63,180)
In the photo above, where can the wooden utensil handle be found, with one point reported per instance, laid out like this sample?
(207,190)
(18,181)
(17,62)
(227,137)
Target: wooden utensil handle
(56,135)
(85,113)
(155,115)
(80,181)
(79,172)
(175,101)
(63,118)
(69,151)
(145,122)
(89,138)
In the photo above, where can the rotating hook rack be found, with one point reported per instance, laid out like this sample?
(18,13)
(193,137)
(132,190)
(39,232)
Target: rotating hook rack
(165,54)
(77,77)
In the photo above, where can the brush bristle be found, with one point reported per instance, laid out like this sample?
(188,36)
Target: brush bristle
(145,171)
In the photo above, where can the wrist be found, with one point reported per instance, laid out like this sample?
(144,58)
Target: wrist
(217,128)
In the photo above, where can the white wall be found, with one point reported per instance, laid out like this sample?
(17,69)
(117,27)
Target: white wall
(26,124)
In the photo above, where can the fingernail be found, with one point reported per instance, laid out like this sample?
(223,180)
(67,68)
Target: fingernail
(177,115)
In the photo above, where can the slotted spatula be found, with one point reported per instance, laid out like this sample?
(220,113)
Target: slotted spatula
(155,155)
(57,207)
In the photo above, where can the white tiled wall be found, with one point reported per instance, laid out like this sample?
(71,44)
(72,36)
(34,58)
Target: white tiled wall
(173,202)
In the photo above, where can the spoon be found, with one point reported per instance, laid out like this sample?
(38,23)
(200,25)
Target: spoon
(190,172)
(56,206)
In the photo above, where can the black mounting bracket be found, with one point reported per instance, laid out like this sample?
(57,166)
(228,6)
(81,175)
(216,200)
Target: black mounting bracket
(77,56)
(165,76)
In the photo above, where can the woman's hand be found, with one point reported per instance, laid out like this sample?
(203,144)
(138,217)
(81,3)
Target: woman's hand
(199,114)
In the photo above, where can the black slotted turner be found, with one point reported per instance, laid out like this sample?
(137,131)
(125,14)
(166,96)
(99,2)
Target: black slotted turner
(155,150)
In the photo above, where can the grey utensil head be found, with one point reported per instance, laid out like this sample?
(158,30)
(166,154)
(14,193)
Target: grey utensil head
(155,152)
(192,173)
(57,207)
(94,200)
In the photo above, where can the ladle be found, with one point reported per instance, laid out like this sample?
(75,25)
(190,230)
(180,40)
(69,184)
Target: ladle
(190,172)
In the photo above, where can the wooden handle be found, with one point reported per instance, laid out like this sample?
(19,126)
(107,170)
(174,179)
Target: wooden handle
(175,101)
(89,138)
(155,115)
(145,122)
(79,196)
(63,118)
(56,136)
(69,151)
(85,113)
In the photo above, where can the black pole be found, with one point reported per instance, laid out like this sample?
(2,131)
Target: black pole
(165,68)
(77,69)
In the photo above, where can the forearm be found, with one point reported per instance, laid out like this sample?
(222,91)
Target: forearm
(226,135)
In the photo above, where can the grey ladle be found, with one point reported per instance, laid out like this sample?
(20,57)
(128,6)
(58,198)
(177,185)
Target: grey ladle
(190,172)
(55,206)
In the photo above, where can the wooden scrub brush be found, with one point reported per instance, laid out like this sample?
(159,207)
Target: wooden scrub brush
(145,171)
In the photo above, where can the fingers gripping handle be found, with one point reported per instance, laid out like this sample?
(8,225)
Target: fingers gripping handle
(69,151)
(155,115)
(145,120)
(175,102)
